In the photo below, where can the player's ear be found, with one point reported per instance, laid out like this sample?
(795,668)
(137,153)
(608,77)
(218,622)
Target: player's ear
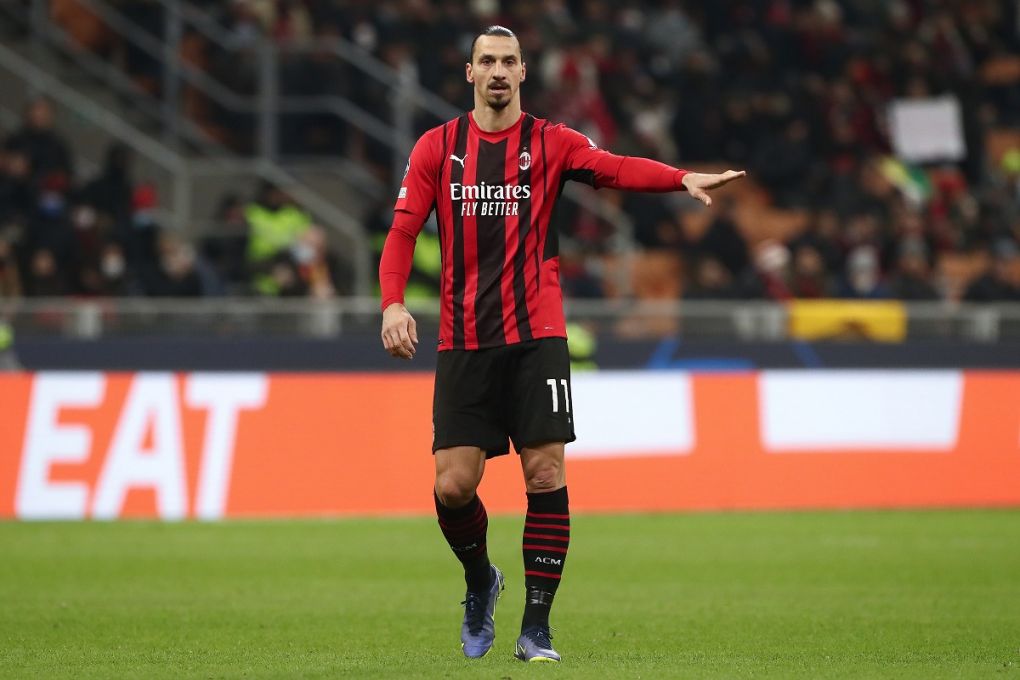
(524,71)
(467,73)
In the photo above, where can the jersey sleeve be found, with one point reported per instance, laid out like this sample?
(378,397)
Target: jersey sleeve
(398,257)
(415,201)
(587,163)
(417,192)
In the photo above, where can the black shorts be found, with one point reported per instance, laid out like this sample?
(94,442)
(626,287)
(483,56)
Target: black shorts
(520,392)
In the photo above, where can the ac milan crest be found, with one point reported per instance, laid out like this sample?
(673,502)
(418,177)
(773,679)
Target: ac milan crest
(525,160)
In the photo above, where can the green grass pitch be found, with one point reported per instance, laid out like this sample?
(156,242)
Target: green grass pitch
(770,595)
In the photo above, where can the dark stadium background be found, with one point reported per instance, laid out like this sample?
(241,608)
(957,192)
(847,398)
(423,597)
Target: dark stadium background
(265,103)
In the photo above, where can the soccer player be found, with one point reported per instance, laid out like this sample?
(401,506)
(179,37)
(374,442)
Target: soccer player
(493,176)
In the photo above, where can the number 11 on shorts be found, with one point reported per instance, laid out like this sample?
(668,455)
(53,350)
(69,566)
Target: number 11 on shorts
(551,382)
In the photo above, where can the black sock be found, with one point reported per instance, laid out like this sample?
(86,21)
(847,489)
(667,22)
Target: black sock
(546,537)
(465,529)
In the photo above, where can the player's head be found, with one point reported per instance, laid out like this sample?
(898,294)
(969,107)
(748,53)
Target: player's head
(497,67)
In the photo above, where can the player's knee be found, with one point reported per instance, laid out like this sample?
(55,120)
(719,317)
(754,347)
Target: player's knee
(454,491)
(545,477)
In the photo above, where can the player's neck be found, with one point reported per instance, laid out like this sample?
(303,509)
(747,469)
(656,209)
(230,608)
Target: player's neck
(496,120)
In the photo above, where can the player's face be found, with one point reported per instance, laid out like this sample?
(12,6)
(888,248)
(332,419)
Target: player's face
(496,69)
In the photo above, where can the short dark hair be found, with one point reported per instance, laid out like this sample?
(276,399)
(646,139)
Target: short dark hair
(495,30)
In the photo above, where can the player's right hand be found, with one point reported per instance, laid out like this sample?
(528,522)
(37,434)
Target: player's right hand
(399,331)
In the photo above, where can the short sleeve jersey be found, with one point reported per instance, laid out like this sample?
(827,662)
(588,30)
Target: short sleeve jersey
(494,194)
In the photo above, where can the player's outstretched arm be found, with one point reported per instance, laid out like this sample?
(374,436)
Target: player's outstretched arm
(698,184)
(399,331)
(603,169)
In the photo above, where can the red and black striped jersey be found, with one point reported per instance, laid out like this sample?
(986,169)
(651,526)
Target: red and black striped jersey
(494,194)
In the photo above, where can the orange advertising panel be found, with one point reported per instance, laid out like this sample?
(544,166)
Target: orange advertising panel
(213,445)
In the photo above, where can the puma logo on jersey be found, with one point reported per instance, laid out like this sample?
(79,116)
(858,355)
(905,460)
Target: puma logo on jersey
(459,160)
(549,560)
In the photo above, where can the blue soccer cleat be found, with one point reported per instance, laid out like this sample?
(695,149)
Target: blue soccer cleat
(535,645)
(479,628)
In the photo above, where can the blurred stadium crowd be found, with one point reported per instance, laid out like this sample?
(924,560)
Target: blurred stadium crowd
(795,91)
(101,237)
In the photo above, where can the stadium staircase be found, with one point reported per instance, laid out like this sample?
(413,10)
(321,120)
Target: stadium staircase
(97,102)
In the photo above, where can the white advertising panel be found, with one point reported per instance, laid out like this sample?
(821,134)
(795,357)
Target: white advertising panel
(840,410)
(632,413)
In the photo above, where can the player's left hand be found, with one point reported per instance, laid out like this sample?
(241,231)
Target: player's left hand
(699,183)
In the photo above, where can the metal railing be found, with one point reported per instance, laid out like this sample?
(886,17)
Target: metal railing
(267,103)
(241,317)
(184,172)
(393,126)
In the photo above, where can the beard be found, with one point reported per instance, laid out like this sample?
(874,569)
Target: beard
(498,100)
(498,104)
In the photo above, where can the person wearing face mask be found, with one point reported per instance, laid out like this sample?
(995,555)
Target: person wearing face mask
(50,227)
(112,273)
(317,265)
(143,252)
(863,276)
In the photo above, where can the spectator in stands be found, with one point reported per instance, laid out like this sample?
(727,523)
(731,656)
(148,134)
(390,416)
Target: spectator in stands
(785,162)
(179,276)
(577,100)
(244,21)
(912,278)
(111,192)
(822,234)
(283,278)
(577,278)
(724,242)
(316,265)
(106,275)
(289,21)
(45,277)
(712,280)
(89,235)
(226,248)
(17,194)
(50,226)
(863,278)
(114,277)
(809,279)
(655,222)
(1001,283)
(275,225)
(143,240)
(771,275)
(46,150)
(797,89)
